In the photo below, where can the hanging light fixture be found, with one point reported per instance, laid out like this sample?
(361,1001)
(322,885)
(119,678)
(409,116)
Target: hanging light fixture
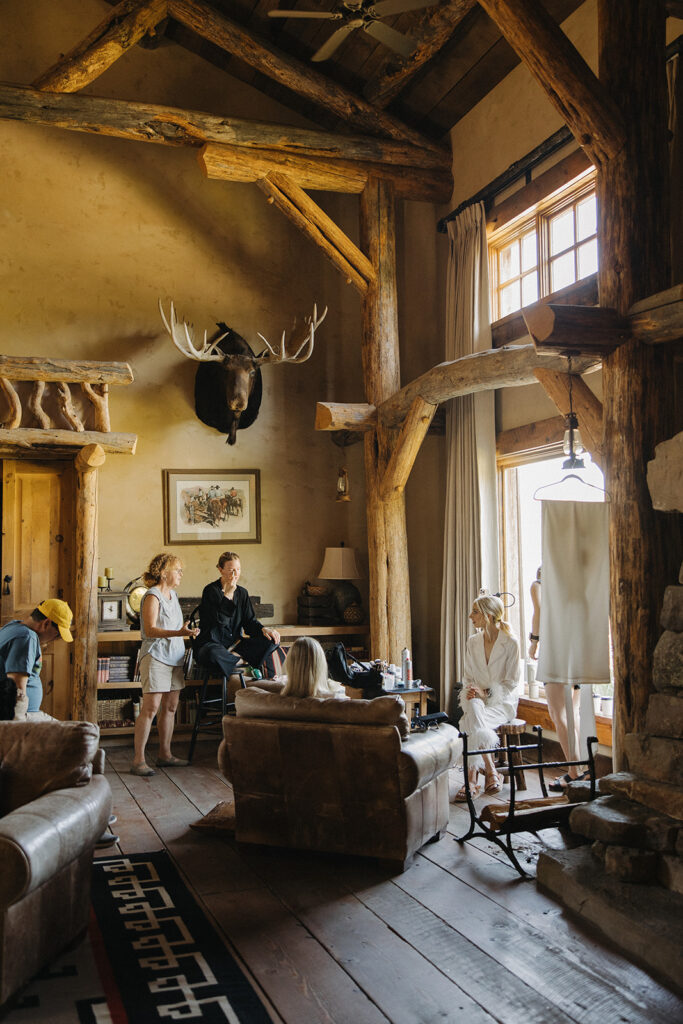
(343,485)
(572,444)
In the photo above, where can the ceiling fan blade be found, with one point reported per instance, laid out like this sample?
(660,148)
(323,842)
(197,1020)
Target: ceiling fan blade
(326,15)
(391,38)
(386,7)
(336,39)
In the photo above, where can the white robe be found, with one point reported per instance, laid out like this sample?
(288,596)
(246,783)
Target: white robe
(500,677)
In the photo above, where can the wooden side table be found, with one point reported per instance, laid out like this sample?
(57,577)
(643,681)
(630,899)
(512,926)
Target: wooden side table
(413,697)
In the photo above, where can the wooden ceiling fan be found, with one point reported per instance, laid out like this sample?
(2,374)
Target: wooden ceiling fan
(363,14)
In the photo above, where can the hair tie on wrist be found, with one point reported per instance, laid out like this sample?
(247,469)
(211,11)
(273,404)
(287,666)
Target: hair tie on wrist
(532,636)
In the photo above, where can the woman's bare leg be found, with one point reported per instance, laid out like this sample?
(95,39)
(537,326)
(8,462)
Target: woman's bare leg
(150,706)
(166,722)
(554,693)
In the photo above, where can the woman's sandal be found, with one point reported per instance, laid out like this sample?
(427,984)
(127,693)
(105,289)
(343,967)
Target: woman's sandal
(461,795)
(559,784)
(494,783)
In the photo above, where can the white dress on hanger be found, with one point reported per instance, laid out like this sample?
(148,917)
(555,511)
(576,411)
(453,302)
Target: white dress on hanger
(500,677)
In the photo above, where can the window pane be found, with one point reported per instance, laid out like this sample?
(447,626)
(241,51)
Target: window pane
(529,251)
(586,217)
(588,258)
(562,272)
(509,299)
(509,261)
(562,231)
(529,288)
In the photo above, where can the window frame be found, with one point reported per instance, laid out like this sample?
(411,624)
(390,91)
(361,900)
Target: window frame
(538,218)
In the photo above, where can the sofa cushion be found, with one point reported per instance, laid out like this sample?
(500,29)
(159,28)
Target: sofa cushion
(388,710)
(39,757)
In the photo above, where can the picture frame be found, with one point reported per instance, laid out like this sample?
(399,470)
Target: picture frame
(212,506)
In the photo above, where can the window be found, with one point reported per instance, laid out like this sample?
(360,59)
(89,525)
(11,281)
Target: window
(545,249)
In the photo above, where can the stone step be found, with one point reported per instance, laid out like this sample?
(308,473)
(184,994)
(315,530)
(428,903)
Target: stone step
(657,758)
(665,714)
(667,662)
(644,922)
(672,609)
(660,796)
(648,867)
(613,819)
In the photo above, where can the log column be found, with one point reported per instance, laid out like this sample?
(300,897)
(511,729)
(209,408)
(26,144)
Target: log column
(84,706)
(386,520)
(637,379)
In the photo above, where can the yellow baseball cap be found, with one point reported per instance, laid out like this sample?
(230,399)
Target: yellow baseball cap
(59,613)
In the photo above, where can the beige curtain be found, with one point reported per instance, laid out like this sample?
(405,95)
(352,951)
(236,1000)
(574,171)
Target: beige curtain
(470,554)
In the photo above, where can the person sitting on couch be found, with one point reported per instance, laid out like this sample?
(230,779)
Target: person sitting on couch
(21,643)
(306,671)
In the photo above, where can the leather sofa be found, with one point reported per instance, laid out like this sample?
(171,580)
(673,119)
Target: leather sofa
(337,775)
(54,804)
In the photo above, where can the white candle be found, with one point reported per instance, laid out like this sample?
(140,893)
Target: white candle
(530,672)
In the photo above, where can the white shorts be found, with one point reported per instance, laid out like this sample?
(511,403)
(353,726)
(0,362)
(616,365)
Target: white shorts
(159,678)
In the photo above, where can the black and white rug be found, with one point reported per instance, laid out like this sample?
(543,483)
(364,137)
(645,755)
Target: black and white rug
(151,955)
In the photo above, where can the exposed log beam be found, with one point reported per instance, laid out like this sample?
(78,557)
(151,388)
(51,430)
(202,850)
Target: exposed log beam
(294,74)
(482,371)
(320,229)
(84,694)
(674,8)
(147,122)
(558,67)
(530,437)
(435,29)
(658,318)
(575,330)
(405,449)
(511,329)
(26,441)
(123,27)
(231,163)
(587,407)
(337,416)
(44,368)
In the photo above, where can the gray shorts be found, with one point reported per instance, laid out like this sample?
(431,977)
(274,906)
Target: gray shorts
(159,678)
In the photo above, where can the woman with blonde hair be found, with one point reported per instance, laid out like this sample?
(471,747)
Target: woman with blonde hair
(162,653)
(306,671)
(489,692)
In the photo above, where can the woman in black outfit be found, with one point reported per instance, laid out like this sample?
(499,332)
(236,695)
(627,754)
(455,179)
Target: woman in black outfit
(224,614)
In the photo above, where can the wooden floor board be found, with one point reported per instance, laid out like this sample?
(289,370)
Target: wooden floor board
(456,939)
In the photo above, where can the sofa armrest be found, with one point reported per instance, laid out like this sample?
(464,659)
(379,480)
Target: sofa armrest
(427,754)
(40,838)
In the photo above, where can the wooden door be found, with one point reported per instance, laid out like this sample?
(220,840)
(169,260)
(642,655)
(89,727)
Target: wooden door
(37,553)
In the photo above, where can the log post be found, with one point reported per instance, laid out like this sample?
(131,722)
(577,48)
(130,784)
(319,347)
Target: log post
(387,537)
(637,378)
(84,690)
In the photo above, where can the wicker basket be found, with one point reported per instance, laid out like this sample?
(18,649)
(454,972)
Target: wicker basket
(113,714)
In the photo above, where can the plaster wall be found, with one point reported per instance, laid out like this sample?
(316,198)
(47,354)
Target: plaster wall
(94,230)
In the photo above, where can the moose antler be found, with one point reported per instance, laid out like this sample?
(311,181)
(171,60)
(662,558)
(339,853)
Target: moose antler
(208,353)
(304,337)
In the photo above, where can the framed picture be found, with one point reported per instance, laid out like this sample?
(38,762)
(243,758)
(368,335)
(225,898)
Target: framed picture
(212,506)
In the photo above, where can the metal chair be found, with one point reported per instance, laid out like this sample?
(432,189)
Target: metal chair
(211,710)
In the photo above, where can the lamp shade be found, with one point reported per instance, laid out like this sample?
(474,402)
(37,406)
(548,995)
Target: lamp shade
(339,564)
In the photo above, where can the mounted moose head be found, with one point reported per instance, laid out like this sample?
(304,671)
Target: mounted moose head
(227,396)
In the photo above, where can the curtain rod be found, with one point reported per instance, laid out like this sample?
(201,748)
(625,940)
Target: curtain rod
(512,174)
(528,162)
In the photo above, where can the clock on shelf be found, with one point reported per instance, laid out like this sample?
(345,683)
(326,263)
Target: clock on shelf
(111,610)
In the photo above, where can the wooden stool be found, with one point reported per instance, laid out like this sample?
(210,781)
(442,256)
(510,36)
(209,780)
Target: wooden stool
(514,728)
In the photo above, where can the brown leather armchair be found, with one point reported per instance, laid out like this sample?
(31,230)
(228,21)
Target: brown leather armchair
(52,810)
(336,775)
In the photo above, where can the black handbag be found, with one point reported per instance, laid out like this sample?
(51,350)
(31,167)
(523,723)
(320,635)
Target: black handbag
(361,676)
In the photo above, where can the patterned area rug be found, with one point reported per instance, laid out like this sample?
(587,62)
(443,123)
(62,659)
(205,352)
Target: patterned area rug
(150,955)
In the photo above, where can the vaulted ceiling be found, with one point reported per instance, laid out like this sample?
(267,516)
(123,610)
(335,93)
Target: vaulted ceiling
(459,56)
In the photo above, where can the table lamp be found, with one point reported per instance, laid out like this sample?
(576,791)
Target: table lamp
(340,564)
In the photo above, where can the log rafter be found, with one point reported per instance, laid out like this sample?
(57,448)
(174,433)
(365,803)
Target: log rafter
(320,228)
(405,450)
(123,27)
(294,74)
(574,90)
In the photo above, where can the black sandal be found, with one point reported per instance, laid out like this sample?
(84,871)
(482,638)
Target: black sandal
(559,784)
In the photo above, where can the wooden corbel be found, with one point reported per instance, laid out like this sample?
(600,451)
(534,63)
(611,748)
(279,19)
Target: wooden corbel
(575,330)
(404,452)
(337,416)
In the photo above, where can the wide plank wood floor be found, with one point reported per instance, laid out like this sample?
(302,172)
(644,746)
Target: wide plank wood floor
(327,939)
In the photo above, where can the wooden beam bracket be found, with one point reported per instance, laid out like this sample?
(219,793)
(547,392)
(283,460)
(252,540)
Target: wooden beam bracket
(404,452)
(575,330)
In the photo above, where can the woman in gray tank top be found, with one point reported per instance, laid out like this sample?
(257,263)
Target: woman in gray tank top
(162,653)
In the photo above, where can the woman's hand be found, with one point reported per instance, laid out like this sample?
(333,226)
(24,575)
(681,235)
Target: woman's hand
(473,692)
(271,634)
(533,648)
(188,630)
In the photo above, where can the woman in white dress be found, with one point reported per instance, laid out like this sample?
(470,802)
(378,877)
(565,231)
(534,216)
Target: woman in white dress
(489,692)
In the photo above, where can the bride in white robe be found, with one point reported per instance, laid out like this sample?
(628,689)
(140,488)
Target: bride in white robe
(489,693)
